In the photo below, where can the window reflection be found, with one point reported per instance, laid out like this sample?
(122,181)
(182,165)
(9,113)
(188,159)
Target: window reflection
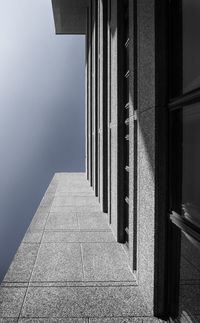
(191,163)
(189,308)
(191,44)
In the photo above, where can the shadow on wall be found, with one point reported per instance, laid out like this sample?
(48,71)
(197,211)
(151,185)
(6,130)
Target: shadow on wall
(42,123)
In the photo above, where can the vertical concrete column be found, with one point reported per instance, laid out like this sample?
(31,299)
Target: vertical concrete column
(88,99)
(99,98)
(132,137)
(113,119)
(109,104)
(102,103)
(94,99)
(146,148)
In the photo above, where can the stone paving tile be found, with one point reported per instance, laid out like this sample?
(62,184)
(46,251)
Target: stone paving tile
(62,221)
(41,211)
(116,320)
(94,220)
(22,265)
(126,320)
(69,193)
(70,200)
(39,220)
(11,300)
(152,320)
(88,209)
(33,237)
(74,185)
(47,199)
(73,189)
(52,320)
(58,291)
(83,302)
(63,209)
(105,262)
(86,201)
(62,176)
(78,236)
(64,201)
(58,262)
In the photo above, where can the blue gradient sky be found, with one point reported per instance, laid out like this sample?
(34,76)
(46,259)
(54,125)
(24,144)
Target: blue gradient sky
(42,98)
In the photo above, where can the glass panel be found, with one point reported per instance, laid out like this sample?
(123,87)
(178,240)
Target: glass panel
(191,163)
(191,44)
(189,290)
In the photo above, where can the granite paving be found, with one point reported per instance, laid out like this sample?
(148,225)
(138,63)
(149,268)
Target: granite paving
(69,268)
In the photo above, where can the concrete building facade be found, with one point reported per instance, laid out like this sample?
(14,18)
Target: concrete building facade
(142,161)
(137,54)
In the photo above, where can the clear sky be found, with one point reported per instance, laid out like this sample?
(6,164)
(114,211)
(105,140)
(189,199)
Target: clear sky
(42,116)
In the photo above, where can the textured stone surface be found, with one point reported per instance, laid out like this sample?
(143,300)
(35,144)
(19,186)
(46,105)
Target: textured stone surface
(11,300)
(47,200)
(106,262)
(63,209)
(22,265)
(113,181)
(62,220)
(88,208)
(39,219)
(52,320)
(83,302)
(65,192)
(8,320)
(146,203)
(117,320)
(77,271)
(125,320)
(92,221)
(146,57)
(58,262)
(33,236)
(78,236)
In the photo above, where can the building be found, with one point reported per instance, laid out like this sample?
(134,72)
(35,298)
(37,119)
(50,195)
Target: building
(142,161)
(142,115)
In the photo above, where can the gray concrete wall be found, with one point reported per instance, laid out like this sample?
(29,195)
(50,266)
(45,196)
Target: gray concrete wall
(114,119)
(142,135)
(94,100)
(146,148)
(132,146)
(70,16)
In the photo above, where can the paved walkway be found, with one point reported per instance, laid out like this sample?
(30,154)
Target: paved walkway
(69,267)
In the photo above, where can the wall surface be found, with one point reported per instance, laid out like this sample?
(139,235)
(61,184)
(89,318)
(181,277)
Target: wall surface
(41,115)
(142,139)
(146,148)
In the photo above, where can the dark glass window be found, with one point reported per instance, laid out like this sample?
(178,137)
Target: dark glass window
(189,287)
(191,163)
(191,44)
(184,156)
(185,46)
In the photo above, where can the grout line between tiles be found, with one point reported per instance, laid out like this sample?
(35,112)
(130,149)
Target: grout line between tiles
(77,230)
(75,242)
(78,224)
(82,261)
